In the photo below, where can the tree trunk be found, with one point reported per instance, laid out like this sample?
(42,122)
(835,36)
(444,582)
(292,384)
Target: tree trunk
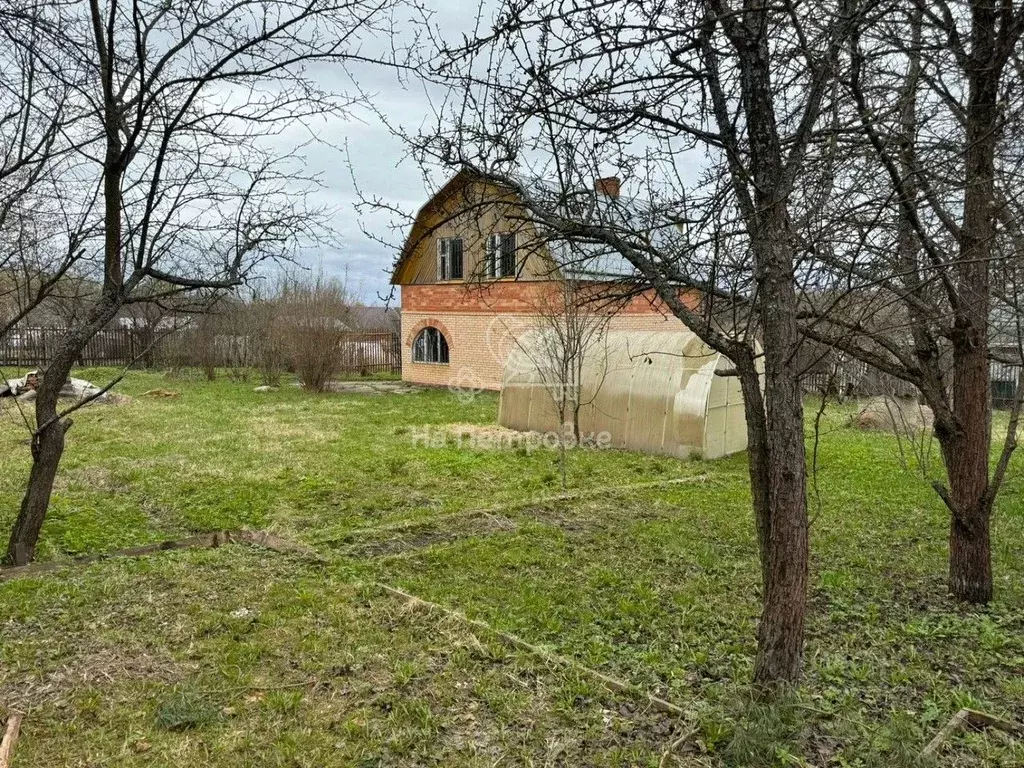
(965,452)
(970,559)
(47,450)
(781,631)
(777,466)
(48,442)
(782,468)
(757,455)
(966,447)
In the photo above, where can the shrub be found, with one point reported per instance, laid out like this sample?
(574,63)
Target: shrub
(313,315)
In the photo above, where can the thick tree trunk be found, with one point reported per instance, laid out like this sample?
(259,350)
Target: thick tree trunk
(777,465)
(47,450)
(966,447)
(970,558)
(784,470)
(781,631)
(965,452)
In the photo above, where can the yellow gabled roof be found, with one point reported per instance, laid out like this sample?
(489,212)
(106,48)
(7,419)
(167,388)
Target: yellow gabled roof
(420,231)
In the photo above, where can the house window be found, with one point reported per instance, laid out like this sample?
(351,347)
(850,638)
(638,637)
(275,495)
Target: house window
(501,255)
(430,347)
(449,258)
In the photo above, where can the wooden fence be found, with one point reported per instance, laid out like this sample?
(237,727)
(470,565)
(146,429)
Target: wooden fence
(35,347)
(362,352)
(873,383)
(366,352)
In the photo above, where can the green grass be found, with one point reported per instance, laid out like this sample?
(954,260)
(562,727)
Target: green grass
(235,657)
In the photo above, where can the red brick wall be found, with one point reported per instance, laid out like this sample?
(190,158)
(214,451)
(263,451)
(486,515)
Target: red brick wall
(513,296)
(481,325)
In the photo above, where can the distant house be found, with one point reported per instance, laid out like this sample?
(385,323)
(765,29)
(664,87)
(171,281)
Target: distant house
(1007,359)
(831,370)
(477,271)
(374,318)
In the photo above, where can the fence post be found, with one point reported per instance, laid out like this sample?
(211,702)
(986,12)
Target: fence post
(35,347)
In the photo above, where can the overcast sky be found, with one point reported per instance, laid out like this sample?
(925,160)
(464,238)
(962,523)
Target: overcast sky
(381,169)
(380,166)
(369,161)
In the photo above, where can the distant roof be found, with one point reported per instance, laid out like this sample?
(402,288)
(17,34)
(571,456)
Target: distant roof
(373,317)
(633,220)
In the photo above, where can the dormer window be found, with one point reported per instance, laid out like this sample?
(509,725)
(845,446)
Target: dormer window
(501,255)
(449,258)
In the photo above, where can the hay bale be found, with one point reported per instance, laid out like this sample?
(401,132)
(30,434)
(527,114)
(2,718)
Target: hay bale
(80,389)
(160,393)
(895,414)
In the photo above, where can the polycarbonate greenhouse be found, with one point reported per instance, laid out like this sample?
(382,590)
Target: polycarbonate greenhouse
(655,392)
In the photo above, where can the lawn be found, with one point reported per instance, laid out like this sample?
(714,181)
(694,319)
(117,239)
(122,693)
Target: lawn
(238,656)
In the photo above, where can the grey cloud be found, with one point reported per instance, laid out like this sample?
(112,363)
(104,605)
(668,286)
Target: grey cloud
(379,164)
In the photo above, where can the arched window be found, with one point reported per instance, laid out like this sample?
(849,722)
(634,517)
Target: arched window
(430,347)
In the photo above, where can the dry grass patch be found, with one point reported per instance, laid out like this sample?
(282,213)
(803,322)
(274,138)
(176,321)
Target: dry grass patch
(428,533)
(267,661)
(96,478)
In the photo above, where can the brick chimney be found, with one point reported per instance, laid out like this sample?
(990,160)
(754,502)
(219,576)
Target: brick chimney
(608,186)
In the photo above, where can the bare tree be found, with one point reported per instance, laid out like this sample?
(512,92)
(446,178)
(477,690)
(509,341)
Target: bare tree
(313,316)
(174,104)
(565,352)
(919,225)
(267,336)
(709,110)
(40,236)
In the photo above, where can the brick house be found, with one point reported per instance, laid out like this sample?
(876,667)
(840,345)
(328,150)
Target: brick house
(475,271)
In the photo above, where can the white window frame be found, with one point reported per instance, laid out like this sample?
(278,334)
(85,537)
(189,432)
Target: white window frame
(494,243)
(443,256)
(445,253)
